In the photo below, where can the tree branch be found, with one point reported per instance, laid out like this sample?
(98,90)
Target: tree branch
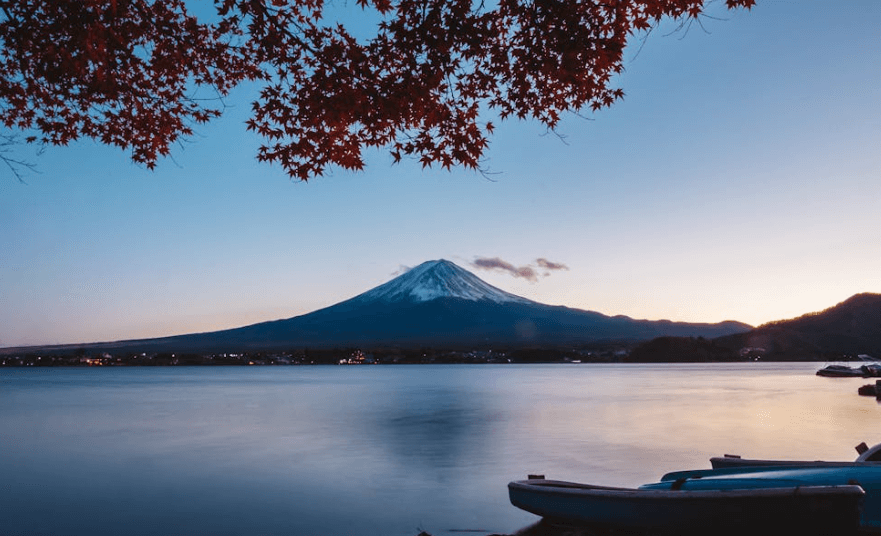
(15,165)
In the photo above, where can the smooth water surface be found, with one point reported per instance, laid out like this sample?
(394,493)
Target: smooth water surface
(383,450)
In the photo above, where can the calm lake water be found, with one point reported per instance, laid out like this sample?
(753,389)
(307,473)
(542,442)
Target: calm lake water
(383,450)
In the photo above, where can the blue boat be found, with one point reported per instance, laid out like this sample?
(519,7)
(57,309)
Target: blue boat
(866,456)
(865,475)
(769,504)
(740,495)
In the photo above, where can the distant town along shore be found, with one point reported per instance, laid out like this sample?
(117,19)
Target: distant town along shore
(341,356)
(659,350)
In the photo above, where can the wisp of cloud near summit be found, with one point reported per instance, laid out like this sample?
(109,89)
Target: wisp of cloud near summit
(548,265)
(529,271)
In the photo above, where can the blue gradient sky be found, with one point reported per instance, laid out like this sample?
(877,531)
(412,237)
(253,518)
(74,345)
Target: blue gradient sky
(739,179)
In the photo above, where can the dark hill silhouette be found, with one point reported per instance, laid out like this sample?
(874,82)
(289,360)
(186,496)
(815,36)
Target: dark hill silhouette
(851,328)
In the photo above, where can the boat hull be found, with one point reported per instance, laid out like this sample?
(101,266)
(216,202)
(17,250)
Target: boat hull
(866,475)
(843,371)
(811,509)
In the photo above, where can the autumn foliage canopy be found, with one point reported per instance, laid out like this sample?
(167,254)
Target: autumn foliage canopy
(140,74)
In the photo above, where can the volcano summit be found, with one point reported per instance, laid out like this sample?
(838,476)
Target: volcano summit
(438,279)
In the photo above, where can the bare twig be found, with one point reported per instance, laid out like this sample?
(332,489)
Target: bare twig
(15,165)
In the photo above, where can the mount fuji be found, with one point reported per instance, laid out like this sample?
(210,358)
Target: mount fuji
(434,304)
(434,280)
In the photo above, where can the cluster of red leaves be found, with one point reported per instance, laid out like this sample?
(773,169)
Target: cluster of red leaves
(125,72)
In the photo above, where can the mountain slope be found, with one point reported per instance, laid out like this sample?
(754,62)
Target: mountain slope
(436,303)
(852,327)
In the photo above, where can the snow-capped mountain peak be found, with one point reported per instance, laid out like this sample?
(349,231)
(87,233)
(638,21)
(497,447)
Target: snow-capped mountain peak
(438,279)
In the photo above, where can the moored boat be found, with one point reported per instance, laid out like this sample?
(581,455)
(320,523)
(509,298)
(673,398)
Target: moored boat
(865,475)
(866,455)
(872,370)
(735,504)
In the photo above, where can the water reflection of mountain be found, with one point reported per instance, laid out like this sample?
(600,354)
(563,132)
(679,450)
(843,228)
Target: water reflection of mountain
(435,430)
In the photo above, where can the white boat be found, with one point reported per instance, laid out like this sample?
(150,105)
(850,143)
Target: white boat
(866,456)
(872,370)
(746,506)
